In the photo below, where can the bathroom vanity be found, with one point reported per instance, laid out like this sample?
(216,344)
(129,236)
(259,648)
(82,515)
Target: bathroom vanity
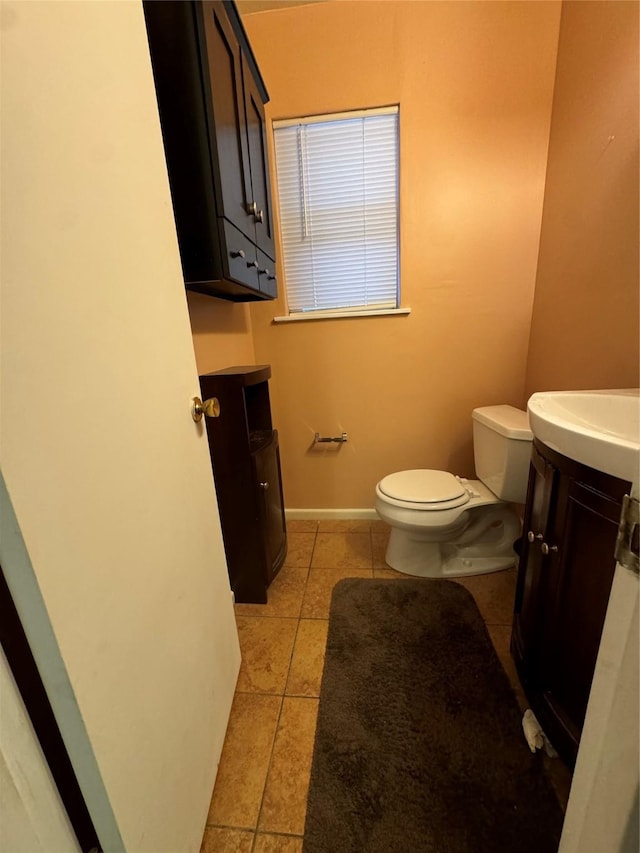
(565,575)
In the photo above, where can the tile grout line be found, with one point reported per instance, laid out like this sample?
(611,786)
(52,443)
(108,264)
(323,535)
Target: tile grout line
(275,735)
(281,696)
(256,830)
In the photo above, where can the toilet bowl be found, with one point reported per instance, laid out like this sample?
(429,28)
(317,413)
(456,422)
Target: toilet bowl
(447,526)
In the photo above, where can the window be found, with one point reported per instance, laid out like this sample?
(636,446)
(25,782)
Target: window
(337,181)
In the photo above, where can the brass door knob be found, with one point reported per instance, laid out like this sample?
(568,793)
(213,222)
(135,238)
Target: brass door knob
(210,408)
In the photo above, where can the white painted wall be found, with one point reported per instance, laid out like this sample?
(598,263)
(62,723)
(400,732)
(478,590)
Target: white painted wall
(116,563)
(33,818)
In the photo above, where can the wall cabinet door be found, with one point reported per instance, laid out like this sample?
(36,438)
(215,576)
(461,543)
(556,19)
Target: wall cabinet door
(222,70)
(257,143)
(239,131)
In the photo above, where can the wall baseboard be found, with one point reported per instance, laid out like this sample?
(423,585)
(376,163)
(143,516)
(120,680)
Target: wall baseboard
(321,514)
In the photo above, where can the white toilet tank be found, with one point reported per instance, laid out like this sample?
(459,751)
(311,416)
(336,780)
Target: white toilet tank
(502,450)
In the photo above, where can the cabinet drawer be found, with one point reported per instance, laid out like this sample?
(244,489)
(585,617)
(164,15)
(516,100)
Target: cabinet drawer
(267,275)
(239,256)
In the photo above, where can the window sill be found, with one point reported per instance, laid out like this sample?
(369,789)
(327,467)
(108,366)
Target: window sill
(337,315)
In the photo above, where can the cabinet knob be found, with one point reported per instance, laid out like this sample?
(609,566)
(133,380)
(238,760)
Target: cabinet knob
(531,536)
(252,210)
(264,485)
(210,408)
(252,264)
(237,253)
(548,549)
(271,277)
(265,272)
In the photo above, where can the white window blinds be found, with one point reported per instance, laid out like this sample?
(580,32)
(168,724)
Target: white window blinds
(338,192)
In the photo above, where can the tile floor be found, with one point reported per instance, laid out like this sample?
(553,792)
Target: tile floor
(259,801)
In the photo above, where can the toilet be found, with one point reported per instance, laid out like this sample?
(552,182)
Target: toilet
(447,526)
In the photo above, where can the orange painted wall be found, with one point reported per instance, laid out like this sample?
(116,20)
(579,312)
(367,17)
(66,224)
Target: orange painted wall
(474,82)
(584,331)
(221,333)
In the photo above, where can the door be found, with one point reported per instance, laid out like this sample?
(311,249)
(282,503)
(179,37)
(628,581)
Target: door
(531,585)
(33,815)
(580,568)
(114,557)
(222,72)
(257,139)
(266,462)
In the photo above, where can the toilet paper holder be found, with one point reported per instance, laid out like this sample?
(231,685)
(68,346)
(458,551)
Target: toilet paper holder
(337,439)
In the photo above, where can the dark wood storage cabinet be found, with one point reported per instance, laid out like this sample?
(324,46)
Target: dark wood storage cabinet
(211,99)
(245,459)
(564,581)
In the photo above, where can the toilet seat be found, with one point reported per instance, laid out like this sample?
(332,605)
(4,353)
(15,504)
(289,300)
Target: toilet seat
(424,489)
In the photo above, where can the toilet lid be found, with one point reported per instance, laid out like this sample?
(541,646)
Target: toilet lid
(423,486)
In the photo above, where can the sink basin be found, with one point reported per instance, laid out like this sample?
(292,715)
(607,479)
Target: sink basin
(600,429)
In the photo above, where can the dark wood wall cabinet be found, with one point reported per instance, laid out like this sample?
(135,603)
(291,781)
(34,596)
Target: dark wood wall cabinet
(245,458)
(211,99)
(564,580)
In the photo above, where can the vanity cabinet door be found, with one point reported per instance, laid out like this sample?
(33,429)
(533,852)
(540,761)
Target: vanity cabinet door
(564,580)
(530,588)
(580,574)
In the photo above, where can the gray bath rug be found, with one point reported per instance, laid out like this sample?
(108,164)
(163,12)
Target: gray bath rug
(419,745)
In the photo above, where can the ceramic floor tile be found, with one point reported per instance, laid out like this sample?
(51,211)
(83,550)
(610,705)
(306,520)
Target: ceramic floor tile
(284,596)
(343,525)
(301,525)
(379,542)
(494,594)
(307,662)
(379,526)
(267,843)
(391,573)
(320,584)
(558,773)
(299,549)
(244,762)
(219,840)
(285,796)
(342,551)
(265,644)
